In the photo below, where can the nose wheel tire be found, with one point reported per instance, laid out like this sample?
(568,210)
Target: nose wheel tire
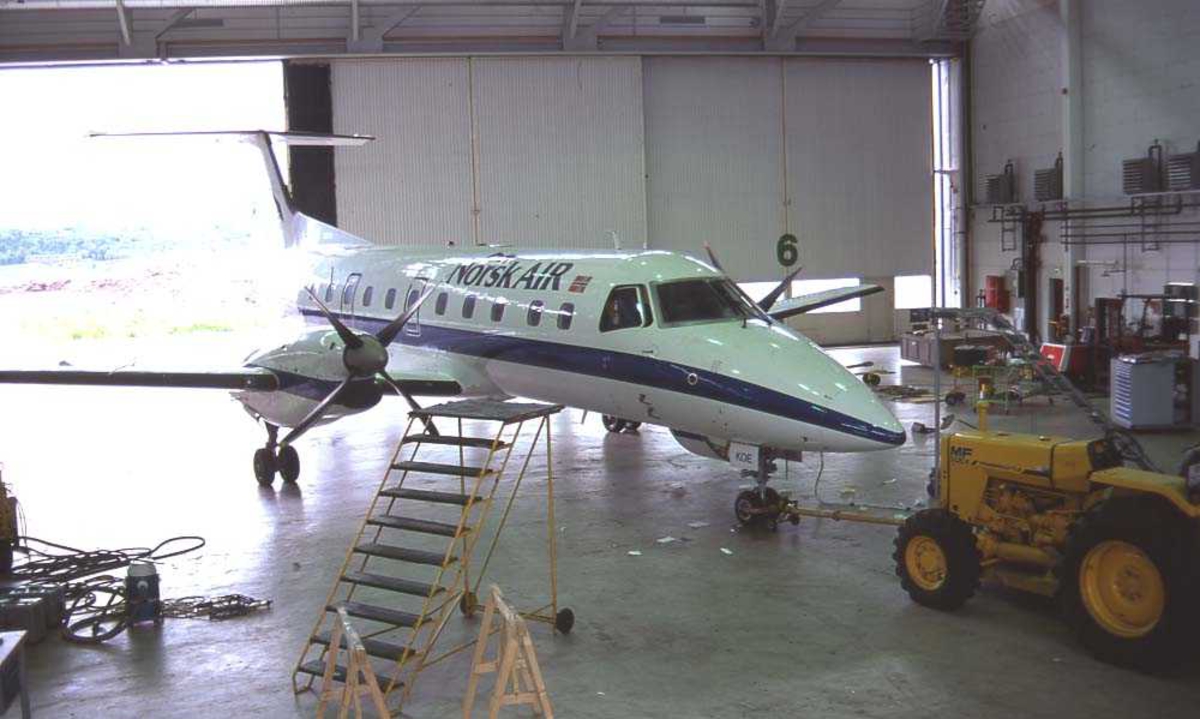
(265,466)
(754,508)
(288,462)
(937,560)
(1126,585)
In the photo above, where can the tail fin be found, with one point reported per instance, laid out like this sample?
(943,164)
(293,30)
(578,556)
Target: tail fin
(298,228)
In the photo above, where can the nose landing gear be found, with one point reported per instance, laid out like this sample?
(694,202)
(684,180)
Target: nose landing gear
(763,506)
(273,458)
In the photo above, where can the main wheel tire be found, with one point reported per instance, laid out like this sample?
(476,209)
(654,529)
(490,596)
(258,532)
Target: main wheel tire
(955,397)
(631,426)
(749,503)
(288,463)
(1126,586)
(937,560)
(264,466)
(612,424)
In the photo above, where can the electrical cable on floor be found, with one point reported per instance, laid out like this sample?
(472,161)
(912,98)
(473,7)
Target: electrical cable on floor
(816,493)
(95,603)
(70,564)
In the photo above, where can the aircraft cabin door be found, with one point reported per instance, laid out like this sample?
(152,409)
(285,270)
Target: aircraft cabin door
(625,323)
(413,327)
(349,294)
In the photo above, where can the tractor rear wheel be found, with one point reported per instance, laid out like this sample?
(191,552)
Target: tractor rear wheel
(1125,585)
(936,559)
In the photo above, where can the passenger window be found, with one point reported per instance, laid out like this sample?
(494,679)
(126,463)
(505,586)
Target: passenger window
(348,294)
(498,309)
(413,296)
(534,318)
(389,300)
(468,307)
(367,294)
(329,292)
(627,307)
(440,305)
(566,313)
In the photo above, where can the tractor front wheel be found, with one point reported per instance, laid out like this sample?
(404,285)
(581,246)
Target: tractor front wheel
(1125,584)
(936,559)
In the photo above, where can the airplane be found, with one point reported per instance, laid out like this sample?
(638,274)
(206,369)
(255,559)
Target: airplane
(645,336)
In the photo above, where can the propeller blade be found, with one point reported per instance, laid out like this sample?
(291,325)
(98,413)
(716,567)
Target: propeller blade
(315,414)
(766,302)
(712,257)
(388,333)
(352,340)
(412,403)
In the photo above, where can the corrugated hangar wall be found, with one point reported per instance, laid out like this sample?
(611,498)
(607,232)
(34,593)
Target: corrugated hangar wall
(559,152)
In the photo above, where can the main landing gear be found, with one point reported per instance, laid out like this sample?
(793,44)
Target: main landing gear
(763,506)
(274,458)
(617,425)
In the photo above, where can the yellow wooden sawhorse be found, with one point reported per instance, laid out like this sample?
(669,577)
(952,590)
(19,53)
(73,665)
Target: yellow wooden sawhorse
(518,676)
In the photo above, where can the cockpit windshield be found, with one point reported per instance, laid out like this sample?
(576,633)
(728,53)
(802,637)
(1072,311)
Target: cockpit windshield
(704,300)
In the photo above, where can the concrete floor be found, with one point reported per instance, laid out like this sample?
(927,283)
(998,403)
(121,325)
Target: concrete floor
(809,620)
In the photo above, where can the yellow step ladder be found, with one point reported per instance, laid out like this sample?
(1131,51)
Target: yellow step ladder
(409,565)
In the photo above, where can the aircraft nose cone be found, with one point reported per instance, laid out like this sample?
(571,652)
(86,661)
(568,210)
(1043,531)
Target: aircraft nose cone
(885,425)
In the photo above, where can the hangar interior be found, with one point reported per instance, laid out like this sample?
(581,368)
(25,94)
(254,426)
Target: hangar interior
(1034,162)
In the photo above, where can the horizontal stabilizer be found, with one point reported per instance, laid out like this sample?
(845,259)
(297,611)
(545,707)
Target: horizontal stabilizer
(240,380)
(291,138)
(816,300)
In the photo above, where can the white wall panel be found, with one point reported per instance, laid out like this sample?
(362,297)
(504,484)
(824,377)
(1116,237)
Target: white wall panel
(412,186)
(858,166)
(714,159)
(560,151)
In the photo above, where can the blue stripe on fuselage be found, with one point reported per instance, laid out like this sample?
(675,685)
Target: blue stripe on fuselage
(634,369)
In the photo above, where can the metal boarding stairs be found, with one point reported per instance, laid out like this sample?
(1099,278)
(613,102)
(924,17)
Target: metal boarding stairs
(409,565)
(1128,446)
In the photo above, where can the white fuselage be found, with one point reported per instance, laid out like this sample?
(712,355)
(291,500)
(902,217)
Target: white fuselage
(749,380)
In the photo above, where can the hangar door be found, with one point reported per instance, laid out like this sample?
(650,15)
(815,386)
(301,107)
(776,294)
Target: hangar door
(740,151)
(673,151)
(534,152)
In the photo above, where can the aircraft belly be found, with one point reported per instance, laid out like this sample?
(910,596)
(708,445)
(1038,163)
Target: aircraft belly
(698,415)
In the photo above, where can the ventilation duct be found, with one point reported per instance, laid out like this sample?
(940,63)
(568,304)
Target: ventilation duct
(1001,189)
(1143,174)
(1183,171)
(1048,183)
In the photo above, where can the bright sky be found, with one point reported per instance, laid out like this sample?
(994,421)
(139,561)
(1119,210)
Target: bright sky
(55,177)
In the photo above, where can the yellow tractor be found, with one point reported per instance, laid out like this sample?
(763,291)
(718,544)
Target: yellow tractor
(1119,548)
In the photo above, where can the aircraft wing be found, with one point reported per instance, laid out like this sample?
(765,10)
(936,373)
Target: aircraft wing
(429,384)
(425,383)
(816,300)
(244,379)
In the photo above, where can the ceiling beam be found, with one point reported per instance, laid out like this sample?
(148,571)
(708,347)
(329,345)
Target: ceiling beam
(570,21)
(811,16)
(783,37)
(371,37)
(123,23)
